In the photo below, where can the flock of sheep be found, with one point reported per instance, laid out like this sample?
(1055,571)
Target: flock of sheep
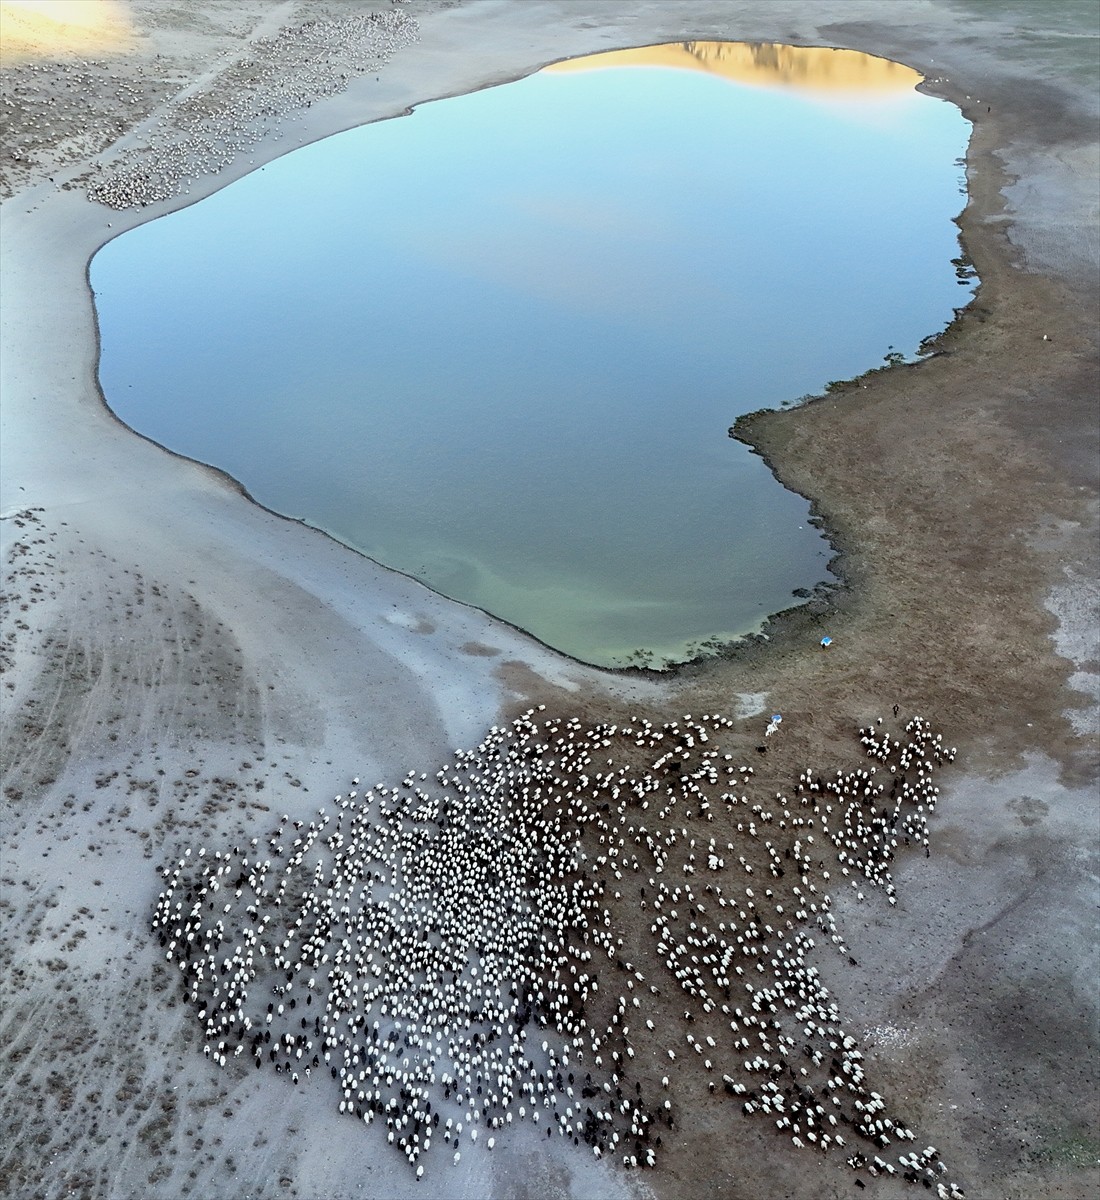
(567,925)
(279,77)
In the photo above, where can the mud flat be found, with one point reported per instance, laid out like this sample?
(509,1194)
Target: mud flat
(181,667)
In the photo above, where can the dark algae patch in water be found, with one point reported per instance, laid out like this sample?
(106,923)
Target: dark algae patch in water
(498,344)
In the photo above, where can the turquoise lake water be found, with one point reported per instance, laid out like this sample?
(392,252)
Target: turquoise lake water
(497,344)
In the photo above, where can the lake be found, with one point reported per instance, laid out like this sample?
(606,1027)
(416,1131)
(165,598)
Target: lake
(497,344)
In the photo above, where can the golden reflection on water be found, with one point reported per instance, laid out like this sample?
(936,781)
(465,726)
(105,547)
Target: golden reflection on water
(31,29)
(763,64)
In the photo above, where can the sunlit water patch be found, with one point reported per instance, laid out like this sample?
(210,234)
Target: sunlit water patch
(498,344)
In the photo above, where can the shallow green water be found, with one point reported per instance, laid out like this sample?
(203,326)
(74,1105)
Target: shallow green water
(498,343)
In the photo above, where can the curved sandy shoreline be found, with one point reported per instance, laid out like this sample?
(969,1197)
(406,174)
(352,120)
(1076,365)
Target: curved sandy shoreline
(262,642)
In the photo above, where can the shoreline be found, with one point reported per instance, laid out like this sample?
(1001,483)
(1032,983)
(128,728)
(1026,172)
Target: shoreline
(775,624)
(789,622)
(180,665)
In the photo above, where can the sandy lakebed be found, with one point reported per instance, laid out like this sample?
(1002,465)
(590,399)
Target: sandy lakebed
(181,668)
